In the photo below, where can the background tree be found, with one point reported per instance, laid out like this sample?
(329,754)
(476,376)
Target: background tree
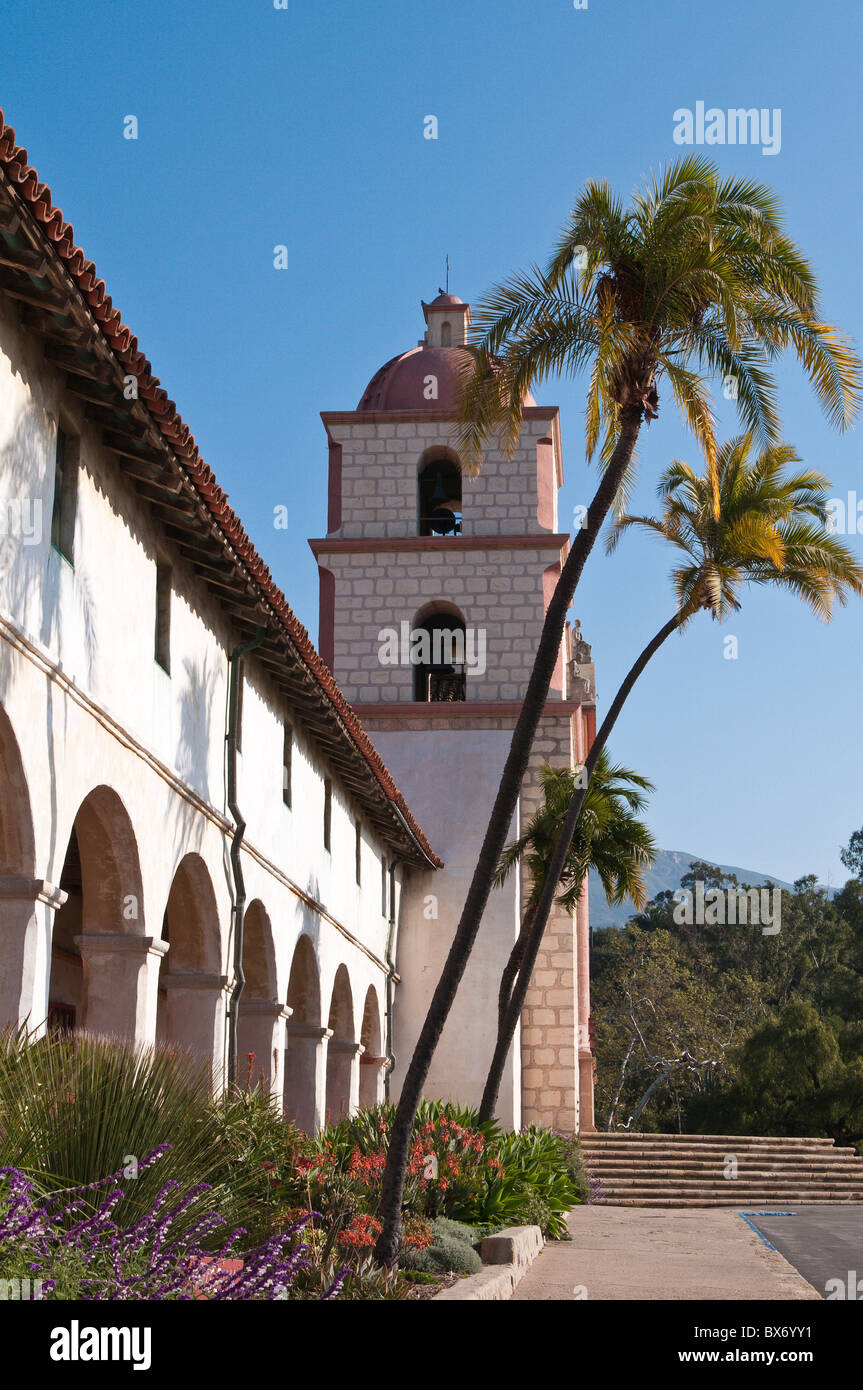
(695,278)
(610,839)
(768,527)
(813,965)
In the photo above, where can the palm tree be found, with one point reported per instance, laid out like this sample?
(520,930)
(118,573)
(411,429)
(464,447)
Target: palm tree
(609,838)
(770,529)
(694,278)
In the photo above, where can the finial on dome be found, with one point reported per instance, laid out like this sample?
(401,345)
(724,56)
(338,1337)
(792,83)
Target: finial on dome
(447,318)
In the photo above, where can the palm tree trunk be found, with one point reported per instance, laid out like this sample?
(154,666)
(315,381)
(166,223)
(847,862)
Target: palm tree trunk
(506,1029)
(392,1187)
(510,970)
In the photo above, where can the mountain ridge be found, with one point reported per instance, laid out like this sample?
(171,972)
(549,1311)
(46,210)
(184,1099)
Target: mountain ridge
(664,874)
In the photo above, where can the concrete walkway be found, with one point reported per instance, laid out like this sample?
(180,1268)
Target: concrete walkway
(645,1253)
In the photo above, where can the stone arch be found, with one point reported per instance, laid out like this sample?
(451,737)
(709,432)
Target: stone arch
(372,1060)
(26,906)
(259,956)
(191,1001)
(305,1060)
(440,672)
(343,1051)
(304,985)
(439,493)
(100,954)
(17,841)
(261,1023)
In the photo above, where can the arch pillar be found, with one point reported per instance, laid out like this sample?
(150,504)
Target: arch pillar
(306,1075)
(27,907)
(343,1079)
(195,1009)
(372,1079)
(263,1031)
(121,980)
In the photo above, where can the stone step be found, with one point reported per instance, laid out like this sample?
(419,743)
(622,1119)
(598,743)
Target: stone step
(784,1184)
(600,1136)
(769,1162)
(631,1147)
(667,1170)
(755,1193)
(841,1158)
(719,1179)
(760,1200)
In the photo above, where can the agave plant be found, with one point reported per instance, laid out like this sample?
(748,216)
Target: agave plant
(75,1108)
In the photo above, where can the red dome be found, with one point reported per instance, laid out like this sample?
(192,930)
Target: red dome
(401,383)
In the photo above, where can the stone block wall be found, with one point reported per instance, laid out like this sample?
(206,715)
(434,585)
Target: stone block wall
(498,592)
(549,1021)
(379,463)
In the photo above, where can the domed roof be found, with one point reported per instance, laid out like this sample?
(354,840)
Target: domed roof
(428,377)
(402,383)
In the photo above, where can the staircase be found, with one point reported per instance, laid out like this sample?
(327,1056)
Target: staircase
(688,1170)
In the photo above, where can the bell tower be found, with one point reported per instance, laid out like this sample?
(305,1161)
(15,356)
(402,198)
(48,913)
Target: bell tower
(433,591)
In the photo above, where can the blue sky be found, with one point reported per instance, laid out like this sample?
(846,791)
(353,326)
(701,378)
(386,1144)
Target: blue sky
(304,127)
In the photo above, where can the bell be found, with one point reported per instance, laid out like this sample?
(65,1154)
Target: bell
(439,494)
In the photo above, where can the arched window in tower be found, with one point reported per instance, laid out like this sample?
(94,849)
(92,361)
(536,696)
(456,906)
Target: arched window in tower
(440,498)
(446,334)
(438,654)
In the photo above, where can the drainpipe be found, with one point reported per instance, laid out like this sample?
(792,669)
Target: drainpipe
(391,974)
(235,663)
(390,958)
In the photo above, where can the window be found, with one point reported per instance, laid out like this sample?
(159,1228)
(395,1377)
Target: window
(287,761)
(163,617)
(65,495)
(384,886)
(439,671)
(328,813)
(439,501)
(358,852)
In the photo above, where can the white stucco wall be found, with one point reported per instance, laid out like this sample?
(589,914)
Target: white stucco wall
(450,777)
(89,706)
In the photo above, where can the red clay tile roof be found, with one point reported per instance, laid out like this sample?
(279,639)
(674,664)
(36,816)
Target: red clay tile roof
(13,159)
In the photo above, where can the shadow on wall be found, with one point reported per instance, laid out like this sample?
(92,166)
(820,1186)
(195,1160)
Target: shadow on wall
(32,575)
(197,698)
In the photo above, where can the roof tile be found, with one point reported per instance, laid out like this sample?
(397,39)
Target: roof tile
(61,234)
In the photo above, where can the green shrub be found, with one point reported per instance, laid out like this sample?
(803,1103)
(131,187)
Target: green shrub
(533,1179)
(75,1108)
(448,1254)
(443,1227)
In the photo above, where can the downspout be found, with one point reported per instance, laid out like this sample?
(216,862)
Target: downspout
(390,956)
(391,976)
(235,663)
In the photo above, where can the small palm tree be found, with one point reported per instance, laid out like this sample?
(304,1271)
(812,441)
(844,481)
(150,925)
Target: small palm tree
(769,529)
(694,279)
(609,838)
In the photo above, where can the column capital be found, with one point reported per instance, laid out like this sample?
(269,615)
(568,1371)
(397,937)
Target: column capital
(308,1030)
(120,944)
(269,1008)
(347,1048)
(193,979)
(17,887)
